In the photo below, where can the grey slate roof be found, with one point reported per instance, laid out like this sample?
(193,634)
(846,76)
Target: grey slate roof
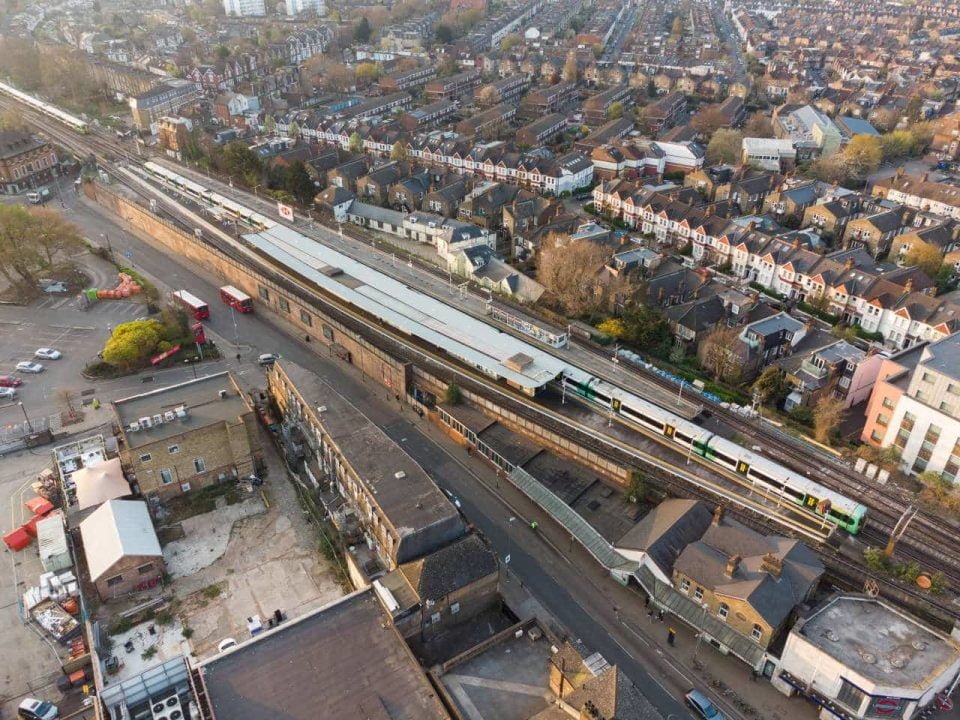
(666,530)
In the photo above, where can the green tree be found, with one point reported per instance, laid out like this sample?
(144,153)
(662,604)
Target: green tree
(651,89)
(613,327)
(297,182)
(243,163)
(293,131)
(131,344)
(223,52)
(725,146)
(864,153)
(361,33)
(771,388)
(914,109)
(615,112)
(356,142)
(453,395)
(269,125)
(399,151)
(366,73)
(647,329)
(510,42)
(444,34)
(925,256)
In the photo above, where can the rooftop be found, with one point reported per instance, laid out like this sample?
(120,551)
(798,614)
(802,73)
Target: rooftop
(118,529)
(879,642)
(200,397)
(287,672)
(942,356)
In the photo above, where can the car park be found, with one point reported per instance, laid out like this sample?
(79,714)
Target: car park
(48,354)
(10,381)
(33,709)
(702,706)
(29,367)
(8,393)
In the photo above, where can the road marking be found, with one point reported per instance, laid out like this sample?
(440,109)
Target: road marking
(504,685)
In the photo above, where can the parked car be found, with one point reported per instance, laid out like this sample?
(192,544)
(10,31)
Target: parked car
(29,367)
(226,644)
(33,709)
(268,358)
(8,393)
(48,354)
(10,381)
(702,706)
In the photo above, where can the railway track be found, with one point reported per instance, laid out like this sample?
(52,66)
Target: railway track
(107,152)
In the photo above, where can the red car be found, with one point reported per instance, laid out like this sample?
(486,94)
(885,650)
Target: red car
(10,381)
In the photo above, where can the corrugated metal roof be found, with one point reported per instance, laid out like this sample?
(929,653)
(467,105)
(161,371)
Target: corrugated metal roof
(117,529)
(460,335)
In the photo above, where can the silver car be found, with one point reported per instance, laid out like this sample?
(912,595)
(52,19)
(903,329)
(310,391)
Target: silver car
(29,367)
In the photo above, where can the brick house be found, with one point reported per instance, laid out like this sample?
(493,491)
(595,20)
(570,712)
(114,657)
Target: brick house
(25,162)
(445,200)
(188,436)
(121,548)
(875,233)
(375,185)
(346,175)
(829,219)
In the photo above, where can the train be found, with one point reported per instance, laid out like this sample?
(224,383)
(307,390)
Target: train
(774,479)
(209,197)
(81,126)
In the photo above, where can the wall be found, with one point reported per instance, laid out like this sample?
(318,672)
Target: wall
(742,616)
(127,567)
(473,599)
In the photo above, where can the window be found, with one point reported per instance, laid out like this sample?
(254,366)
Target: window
(698,593)
(908,420)
(284,305)
(146,457)
(882,420)
(933,434)
(953,389)
(199,465)
(947,408)
(850,695)
(173,449)
(166,477)
(145,569)
(305,318)
(263,292)
(757,633)
(919,465)
(901,440)
(115,580)
(723,611)
(889,403)
(435,618)
(454,608)
(876,436)
(685,586)
(927,377)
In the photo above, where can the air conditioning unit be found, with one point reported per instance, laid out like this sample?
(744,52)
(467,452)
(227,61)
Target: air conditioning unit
(145,422)
(168,416)
(134,427)
(167,708)
(181,411)
(158,419)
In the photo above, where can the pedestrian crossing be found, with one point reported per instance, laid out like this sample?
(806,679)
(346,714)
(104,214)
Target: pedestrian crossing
(112,308)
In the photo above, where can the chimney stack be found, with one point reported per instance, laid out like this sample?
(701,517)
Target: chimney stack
(796,242)
(908,285)
(848,265)
(733,564)
(772,565)
(924,176)
(718,513)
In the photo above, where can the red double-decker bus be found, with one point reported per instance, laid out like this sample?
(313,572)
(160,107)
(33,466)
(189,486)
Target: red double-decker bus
(237,299)
(192,304)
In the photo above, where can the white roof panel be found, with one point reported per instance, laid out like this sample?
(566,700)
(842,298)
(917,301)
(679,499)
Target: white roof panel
(117,529)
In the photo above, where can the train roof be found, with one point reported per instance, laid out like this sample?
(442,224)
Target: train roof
(495,353)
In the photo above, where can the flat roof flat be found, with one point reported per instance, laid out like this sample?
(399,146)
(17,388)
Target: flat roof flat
(461,335)
(413,501)
(879,642)
(345,660)
(200,396)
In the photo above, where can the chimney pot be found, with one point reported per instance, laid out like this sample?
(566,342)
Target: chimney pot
(908,285)
(718,513)
(733,564)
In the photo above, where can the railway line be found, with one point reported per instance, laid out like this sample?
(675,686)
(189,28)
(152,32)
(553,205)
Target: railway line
(108,151)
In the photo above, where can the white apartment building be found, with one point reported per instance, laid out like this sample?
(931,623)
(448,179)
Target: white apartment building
(245,8)
(295,7)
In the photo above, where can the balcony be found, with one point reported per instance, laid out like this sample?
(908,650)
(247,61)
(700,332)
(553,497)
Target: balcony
(814,370)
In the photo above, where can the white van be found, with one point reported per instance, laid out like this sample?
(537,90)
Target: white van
(38,196)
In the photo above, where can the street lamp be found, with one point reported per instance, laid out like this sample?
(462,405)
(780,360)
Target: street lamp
(26,417)
(193,366)
(106,237)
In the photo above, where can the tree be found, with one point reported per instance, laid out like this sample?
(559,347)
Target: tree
(54,234)
(297,182)
(31,240)
(444,34)
(708,121)
(568,270)
(293,131)
(827,415)
(885,119)
(570,69)
(725,146)
(647,329)
(758,126)
(242,163)
(597,50)
(366,73)
(925,256)
(399,151)
(223,52)
(356,142)
(651,88)
(132,343)
(676,28)
(488,95)
(269,124)
(453,395)
(863,154)
(510,42)
(914,109)
(11,120)
(771,388)
(615,112)
(613,327)
(361,33)
(718,356)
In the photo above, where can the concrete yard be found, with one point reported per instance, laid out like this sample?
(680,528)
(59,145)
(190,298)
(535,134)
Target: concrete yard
(247,559)
(507,682)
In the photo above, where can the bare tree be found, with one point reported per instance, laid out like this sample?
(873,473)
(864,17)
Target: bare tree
(827,415)
(758,126)
(718,354)
(570,71)
(568,270)
(708,121)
